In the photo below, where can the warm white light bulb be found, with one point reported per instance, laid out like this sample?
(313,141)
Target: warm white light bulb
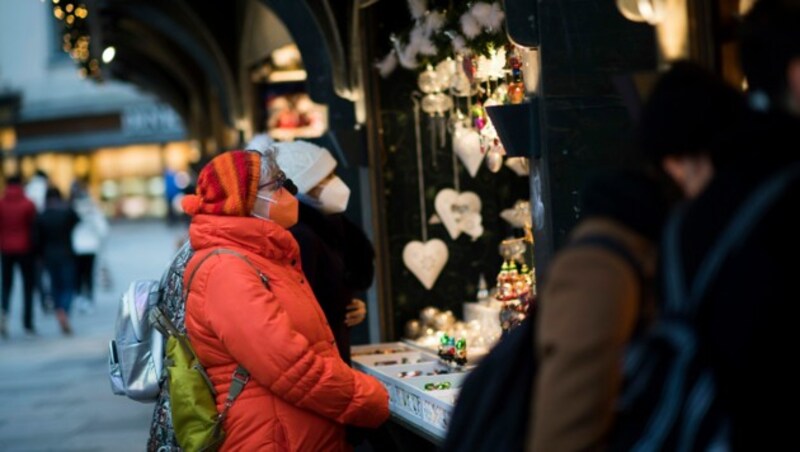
(108,54)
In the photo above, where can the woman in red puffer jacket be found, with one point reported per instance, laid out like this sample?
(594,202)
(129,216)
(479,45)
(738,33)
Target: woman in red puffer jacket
(301,393)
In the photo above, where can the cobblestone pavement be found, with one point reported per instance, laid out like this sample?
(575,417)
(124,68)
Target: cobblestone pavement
(54,390)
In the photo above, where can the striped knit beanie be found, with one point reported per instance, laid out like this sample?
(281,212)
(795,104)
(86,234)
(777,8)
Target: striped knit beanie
(227,185)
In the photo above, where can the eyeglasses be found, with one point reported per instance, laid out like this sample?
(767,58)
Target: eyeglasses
(279,181)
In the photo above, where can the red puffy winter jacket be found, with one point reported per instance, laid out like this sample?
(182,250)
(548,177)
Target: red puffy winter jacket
(17,215)
(301,393)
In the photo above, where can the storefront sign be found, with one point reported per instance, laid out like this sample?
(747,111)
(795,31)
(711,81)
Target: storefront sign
(150,120)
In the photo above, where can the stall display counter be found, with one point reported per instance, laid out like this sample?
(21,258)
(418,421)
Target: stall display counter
(422,390)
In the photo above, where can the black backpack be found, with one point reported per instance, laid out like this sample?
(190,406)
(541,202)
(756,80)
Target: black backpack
(669,399)
(493,406)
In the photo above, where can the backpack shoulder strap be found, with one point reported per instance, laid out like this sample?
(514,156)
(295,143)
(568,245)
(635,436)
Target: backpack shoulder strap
(240,376)
(746,217)
(262,276)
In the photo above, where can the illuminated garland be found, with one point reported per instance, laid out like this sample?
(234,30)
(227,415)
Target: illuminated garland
(76,39)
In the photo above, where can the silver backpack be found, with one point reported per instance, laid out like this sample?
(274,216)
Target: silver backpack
(136,353)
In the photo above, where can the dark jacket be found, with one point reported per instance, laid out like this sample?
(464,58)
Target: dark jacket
(54,232)
(17,216)
(338,260)
(749,315)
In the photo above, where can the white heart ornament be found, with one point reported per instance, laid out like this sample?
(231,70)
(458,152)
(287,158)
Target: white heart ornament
(425,260)
(467,146)
(518,215)
(452,206)
(472,224)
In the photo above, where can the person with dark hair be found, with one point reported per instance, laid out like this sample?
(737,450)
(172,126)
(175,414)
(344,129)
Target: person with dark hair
(746,314)
(598,290)
(17,215)
(54,228)
(689,125)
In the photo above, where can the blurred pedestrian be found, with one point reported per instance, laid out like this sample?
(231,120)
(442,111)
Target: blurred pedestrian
(54,228)
(17,217)
(746,315)
(337,257)
(599,290)
(261,314)
(36,191)
(87,241)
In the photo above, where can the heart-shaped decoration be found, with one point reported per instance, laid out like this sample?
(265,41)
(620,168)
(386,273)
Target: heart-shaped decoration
(520,165)
(453,206)
(425,260)
(471,224)
(518,215)
(467,146)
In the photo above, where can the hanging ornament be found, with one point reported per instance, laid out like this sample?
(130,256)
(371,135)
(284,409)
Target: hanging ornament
(494,160)
(428,81)
(425,260)
(460,212)
(520,165)
(467,146)
(436,104)
(518,216)
(446,72)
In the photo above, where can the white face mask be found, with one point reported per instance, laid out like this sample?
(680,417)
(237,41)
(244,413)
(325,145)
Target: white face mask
(334,196)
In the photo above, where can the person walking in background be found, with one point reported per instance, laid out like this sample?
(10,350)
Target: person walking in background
(336,256)
(36,191)
(87,239)
(598,292)
(257,310)
(54,229)
(17,217)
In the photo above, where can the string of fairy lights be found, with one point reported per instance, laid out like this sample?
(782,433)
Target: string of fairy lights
(75,39)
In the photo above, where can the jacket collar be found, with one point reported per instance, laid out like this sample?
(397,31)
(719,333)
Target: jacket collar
(262,237)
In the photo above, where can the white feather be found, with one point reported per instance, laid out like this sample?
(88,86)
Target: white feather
(434,22)
(470,26)
(427,47)
(407,57)
(481,12)
(417,8)
(416,36)
(459,44)
(388,64)
(495,21)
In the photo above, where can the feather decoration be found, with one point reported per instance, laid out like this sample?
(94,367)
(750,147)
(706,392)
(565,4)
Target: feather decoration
(459,44)
(470,26)
(417,8)
(481,11)
(434,21)
(427,47)
(495,20)
(388,64)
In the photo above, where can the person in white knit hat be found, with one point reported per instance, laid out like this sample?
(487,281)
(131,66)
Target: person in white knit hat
(336,256)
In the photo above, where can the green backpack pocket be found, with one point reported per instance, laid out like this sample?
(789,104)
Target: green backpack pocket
(194,411)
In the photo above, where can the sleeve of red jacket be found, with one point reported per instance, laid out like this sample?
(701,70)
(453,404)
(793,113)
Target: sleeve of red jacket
(256,330)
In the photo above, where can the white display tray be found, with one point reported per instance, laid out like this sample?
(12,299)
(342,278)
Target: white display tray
(428,410)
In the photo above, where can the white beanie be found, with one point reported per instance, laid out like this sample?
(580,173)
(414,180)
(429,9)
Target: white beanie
(306,164)
(260,142)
